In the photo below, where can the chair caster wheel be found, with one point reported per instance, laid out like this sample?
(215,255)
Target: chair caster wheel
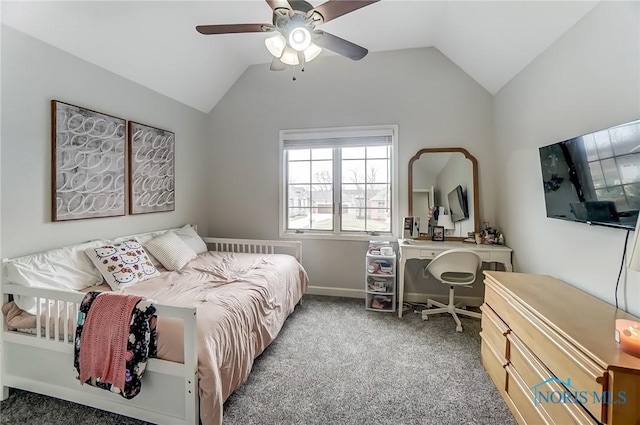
(458,328)
(425,317)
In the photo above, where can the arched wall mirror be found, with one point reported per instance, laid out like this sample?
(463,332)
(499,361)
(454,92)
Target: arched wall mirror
(444,180)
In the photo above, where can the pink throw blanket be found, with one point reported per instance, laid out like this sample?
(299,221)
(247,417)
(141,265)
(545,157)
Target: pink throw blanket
(104,338)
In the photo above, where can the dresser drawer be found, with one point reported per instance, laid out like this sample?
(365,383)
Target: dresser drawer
(563,359)
(494,330)
(494,363)
(537,379)
(484,255)
(520,395)
(494,298)
(430,253)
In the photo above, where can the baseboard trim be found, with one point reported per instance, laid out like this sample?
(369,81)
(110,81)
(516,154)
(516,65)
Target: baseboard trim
(335,292)
(412,297)
(415,297)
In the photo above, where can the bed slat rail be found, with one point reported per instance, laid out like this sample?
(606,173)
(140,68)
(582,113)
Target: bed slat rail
(254,246)
(65,306)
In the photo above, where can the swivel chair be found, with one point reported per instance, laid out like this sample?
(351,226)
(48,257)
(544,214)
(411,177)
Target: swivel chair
(455,267)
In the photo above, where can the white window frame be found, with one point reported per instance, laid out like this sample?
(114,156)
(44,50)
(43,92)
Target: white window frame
(359,131)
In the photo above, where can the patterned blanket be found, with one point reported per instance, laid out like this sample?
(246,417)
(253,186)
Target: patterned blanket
(141,345)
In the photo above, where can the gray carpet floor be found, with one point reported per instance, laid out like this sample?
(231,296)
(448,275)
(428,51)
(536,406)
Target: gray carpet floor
(336,363)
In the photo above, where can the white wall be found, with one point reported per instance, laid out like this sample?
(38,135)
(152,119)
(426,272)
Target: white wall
(434,103)
(33,73)
(588,80)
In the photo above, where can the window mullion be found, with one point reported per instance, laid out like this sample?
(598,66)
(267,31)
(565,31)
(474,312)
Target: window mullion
(310,189)
(337,190)
(366,192)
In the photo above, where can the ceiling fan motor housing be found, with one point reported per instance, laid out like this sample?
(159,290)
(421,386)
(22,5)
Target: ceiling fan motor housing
(286,20)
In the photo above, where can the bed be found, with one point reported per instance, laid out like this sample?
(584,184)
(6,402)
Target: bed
(215,315)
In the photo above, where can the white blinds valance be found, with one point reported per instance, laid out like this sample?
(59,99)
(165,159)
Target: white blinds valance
(295,140)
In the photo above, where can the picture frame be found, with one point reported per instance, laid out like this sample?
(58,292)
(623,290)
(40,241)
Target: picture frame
(88,166)
(438,233)
(151,169)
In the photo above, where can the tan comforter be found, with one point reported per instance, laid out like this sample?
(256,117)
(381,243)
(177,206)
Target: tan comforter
(242,301)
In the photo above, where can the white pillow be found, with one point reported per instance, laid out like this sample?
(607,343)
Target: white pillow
(189,236)
(143,238)
(66,268)
(171,251)
(122,264)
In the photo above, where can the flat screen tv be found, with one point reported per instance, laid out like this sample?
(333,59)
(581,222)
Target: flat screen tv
(594,178)
(458,204)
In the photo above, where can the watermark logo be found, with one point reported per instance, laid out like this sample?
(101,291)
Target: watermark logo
(569,394)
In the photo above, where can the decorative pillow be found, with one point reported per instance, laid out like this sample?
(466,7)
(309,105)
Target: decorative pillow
(122,264)
(171,251)
(189,236)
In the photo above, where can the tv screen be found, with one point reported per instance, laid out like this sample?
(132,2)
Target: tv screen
(458,204)
(594,178)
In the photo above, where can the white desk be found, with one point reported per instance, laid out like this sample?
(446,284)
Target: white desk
(429,249)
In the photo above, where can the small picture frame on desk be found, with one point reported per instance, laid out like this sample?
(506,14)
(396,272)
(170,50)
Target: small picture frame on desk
(438,233)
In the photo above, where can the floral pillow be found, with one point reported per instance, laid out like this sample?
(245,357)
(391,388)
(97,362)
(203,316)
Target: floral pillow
(122,264)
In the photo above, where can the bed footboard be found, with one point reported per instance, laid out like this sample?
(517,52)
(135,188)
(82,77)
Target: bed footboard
(254,246)
(43,363)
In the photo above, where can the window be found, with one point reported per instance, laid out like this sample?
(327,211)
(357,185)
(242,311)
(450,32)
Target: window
(613,159)
(339,183)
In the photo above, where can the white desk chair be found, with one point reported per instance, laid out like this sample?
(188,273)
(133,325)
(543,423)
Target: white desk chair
(455,267)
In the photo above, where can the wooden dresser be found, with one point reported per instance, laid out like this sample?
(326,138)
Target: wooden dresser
(550,350)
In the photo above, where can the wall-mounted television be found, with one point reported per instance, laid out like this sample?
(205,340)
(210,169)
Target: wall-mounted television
(458,204)
(594,178)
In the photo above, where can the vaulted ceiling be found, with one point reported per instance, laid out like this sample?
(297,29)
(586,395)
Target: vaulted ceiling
(155,43)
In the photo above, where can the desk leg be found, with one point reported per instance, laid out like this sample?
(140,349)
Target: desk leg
(401,285)
(508,267)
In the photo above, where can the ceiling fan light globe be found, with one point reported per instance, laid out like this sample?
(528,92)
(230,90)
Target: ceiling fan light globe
(312,52)
(276,44)
(289,57)
(299,39)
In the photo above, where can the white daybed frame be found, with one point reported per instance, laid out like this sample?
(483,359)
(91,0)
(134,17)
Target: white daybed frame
(43,364)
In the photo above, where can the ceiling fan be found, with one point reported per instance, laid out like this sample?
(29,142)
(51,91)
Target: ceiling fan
(297,40)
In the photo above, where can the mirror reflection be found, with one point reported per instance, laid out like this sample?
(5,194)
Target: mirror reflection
(443,191)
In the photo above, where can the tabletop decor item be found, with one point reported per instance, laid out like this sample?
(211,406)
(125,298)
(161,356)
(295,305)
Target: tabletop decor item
(438,233)
(628,336)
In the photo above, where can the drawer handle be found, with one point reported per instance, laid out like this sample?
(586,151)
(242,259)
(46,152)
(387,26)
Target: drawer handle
(500,357)
(490,315)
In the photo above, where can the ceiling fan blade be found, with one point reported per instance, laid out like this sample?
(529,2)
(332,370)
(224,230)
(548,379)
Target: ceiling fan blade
(233,28)
(277,65)
(333,9)
(339,45)
(301,5)
(278,4)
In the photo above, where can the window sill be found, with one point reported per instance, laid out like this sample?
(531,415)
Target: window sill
(337,237)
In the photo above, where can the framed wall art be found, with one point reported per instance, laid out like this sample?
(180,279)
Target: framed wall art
(87,163)
(151,169)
